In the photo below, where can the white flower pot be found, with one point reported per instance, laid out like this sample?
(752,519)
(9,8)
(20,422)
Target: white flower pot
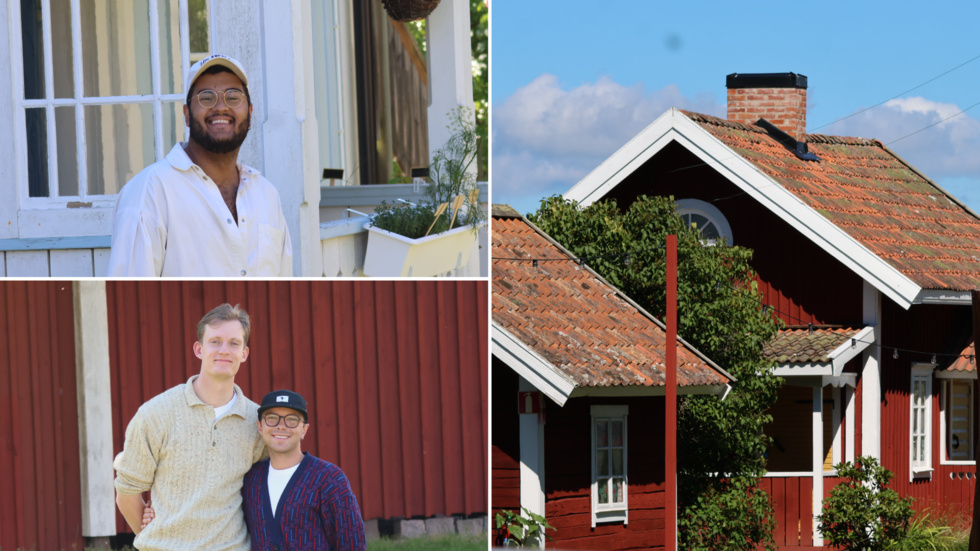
(391,255)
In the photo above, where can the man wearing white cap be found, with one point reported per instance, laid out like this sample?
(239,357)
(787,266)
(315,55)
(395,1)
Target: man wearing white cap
(199,212)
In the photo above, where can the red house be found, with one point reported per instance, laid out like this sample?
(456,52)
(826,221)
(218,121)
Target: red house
(868,262)
(578,407)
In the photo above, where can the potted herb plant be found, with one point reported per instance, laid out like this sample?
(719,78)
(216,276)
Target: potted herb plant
(437,234)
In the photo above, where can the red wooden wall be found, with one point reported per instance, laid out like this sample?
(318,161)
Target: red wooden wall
(40,495)
(395,374)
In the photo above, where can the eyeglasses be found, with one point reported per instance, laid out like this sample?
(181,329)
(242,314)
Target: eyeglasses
(272,420)
(209,98)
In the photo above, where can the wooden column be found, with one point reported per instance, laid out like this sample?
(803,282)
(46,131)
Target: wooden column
(670,471)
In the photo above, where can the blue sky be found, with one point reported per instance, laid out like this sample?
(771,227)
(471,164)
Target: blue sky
(574,80)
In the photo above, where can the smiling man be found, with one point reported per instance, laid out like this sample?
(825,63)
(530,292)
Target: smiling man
(199,212)
(191,446)
(295,501)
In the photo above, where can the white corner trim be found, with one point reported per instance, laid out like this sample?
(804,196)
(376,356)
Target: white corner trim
(529,365)
(674,126)
(852,348)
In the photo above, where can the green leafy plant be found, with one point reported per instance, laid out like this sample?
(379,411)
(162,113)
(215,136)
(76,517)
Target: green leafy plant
(452,183)
(720,313)
(522,530)
(861,512)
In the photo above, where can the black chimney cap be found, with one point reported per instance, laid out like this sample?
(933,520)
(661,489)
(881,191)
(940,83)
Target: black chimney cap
(765,80)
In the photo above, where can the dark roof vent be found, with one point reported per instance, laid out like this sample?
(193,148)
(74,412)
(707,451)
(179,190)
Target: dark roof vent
(765,80)
(798,148)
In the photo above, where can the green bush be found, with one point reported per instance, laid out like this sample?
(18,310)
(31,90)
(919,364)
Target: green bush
(861,513)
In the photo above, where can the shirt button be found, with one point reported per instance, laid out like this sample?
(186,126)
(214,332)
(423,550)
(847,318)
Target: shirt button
(243,272)
(229,220)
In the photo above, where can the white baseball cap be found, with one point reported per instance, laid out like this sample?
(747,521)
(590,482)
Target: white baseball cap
(210,61)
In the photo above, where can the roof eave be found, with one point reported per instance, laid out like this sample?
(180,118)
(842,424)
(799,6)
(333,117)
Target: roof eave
(675,126)
(528,364)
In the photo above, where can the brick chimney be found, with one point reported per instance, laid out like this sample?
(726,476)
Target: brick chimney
(780,98)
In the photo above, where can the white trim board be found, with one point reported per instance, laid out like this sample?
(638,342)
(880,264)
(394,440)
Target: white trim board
(674,126)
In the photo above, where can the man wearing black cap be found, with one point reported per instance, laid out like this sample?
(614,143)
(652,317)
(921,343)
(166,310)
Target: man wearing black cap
(294,500)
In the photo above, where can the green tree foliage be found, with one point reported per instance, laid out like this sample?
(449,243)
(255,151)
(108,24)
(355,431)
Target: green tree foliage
(861,513)
(722,453)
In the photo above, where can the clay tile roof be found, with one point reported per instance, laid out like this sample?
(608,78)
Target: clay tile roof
(874,196)
(801,346)
(576,321)
(966,362)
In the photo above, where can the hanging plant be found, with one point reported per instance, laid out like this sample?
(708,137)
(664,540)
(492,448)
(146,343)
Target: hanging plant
(409,10)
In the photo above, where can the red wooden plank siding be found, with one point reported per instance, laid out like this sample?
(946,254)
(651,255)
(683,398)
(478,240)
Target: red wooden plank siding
(394,373)
(40,490)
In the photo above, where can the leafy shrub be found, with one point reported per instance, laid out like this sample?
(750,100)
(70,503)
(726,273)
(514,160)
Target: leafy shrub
(522,531)
(861,513)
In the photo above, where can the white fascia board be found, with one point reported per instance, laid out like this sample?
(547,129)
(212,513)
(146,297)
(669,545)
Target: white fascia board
(528,364)
(845,352)
(643,390)
(804,370)
(940,296)
(956,374)
(674,126)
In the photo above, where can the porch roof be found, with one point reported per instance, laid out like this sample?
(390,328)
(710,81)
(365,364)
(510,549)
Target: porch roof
(816,350)
(574,325)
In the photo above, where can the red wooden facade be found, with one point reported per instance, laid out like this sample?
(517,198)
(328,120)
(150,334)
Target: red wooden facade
(395,374)
(40,490)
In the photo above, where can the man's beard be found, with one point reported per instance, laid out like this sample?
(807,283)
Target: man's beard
(201,136)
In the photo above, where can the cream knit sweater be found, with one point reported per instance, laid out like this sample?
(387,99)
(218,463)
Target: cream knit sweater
(194,468)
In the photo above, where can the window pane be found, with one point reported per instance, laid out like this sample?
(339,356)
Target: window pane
(119,141)
(37,152)
(61,56)
(915,449)
(617,433)
(32,39)
(602,433)
(617,462)
(64,120)
(171,79)
(197,15)
(173,125)
(710,231)
(603,490)
(602,462)
(116,48)
(617,490)
(915,421)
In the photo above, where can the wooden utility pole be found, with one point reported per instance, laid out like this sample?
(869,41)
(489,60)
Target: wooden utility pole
(670,469)
(975,530)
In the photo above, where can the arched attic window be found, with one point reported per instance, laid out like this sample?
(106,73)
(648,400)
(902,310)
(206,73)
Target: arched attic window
(706,218)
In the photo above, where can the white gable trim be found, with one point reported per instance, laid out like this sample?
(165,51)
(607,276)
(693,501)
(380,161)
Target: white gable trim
(675,126)
(529,365)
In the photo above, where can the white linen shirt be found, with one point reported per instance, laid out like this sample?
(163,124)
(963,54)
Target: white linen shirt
(171,221)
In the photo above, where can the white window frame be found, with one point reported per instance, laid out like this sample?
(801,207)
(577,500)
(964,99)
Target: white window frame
(55,215)
(709,211)
(944,434)
(611,512)
(921,374)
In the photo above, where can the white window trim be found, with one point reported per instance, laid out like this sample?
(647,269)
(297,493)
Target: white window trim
(52,216)
(943,405)
(612,512)
(709,211)
(921,372)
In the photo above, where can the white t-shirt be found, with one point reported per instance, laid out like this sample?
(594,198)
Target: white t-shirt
(171,221)
(221,410)
(277,483)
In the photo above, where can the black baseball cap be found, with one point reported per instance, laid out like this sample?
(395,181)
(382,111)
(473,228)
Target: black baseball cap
(284,399)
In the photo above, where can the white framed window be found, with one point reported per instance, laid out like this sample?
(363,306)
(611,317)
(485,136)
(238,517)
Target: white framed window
(956,421)
(920,421)
(610,501)
(98,94)
(707,218)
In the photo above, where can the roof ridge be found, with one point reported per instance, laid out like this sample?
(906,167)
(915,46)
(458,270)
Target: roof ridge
(824,139)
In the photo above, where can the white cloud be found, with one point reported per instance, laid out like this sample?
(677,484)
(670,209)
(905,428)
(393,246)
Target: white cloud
(547,138)
(930,135)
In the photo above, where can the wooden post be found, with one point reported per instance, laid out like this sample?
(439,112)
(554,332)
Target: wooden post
(670,470)
(975,530)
